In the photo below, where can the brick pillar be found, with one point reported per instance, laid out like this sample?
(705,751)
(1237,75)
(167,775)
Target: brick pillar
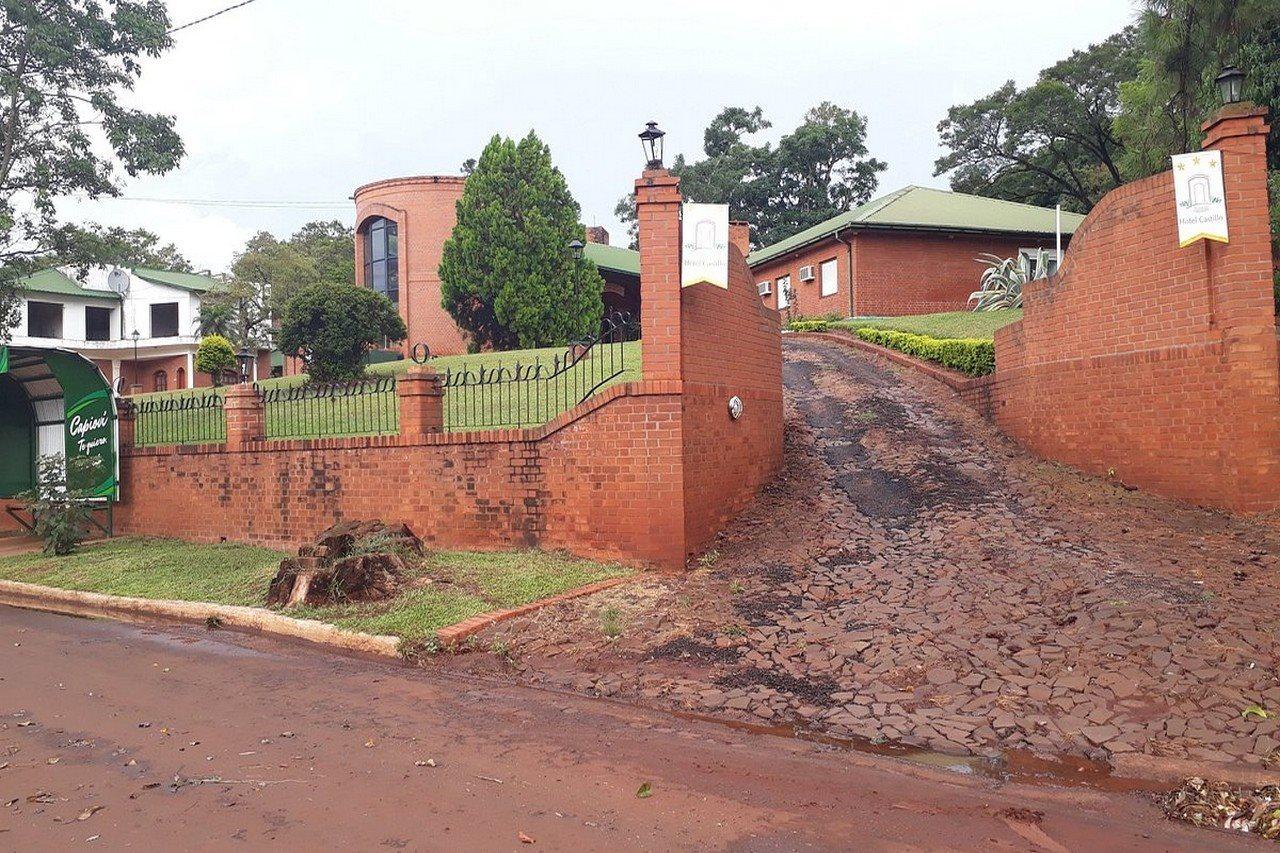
(246,415)
(126,422)
(1240,275)
(421,402)
(740,236)
(658,216)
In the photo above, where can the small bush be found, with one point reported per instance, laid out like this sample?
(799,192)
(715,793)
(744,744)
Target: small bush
(809,325)
(971,356)
(60,511)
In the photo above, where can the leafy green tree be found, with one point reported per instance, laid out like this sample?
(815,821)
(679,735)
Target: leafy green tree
(116,246)
(240,311)
(278,267)
(64,128)
(331,248)
(332,326)
(216,357)
(1052,142)
(820,169)
(507,277)
(1184,45)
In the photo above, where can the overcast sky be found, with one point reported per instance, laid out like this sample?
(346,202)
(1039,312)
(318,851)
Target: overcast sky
(301,101)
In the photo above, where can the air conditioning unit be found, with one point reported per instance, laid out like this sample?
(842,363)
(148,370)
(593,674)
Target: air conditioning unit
(806,273)
(764,288)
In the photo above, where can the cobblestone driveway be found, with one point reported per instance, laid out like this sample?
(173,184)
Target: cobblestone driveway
(915,578)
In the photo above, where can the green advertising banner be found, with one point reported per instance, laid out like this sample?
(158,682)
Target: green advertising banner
(4,359)
(90,425)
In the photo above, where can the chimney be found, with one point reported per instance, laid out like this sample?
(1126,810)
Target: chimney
(597,234)
(740,236)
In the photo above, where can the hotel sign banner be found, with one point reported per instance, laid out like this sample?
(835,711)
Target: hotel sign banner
(704,244)
(1201,199)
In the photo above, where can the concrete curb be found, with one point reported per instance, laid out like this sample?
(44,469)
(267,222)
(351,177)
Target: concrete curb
(453,634)
(255,619)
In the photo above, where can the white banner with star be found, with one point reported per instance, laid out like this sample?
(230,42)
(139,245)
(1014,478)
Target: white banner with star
(1200,197)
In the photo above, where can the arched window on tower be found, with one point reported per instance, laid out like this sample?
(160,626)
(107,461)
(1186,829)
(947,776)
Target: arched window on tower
(381,256)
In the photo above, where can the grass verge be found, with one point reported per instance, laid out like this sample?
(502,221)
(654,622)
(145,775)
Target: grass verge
(464,584)
(973,325)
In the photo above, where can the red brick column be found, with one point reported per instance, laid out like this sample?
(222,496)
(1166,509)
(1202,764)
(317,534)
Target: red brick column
(1240,273)
(126,422)
(421,402)
(246,415)
(658,216)
(740,236)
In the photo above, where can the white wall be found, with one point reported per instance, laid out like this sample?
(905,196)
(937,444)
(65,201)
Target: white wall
(142,295)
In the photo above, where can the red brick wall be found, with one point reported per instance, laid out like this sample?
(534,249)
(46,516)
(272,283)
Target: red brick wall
(730,346)
(900,273)
(644,473)
(601,481)
(1155,362)
(424,210)
(894,272)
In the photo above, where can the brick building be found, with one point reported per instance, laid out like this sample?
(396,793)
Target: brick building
(401,228)
(909,252)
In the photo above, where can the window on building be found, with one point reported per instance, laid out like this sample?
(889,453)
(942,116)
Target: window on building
(44,319)
(784,292)
(1031,262)
(164,320)
(160,381)
(828,278)
(97,323)
(381,256)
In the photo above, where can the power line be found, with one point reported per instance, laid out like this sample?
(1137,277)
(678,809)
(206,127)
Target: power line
(208,17)
(226,202)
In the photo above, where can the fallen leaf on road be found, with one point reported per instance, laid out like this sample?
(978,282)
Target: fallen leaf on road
(25,723)
(368,744)
(525,839)
(89,812)
(1257,711)
(52,761)
(645,791)
(430,762)
(286,734)
(489,779)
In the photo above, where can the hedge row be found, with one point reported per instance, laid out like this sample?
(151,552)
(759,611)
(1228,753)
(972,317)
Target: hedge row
(972,356)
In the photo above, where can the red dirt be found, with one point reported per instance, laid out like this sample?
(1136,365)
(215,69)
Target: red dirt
(102,714)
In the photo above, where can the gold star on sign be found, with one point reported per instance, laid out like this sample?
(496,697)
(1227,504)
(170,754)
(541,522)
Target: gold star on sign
(1212,163)
(1196,160)
(1182,167)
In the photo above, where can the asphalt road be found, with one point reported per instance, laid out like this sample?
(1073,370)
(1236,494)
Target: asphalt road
(115,736)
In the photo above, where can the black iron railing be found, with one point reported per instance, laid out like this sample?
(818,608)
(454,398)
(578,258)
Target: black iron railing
(365,407)
(533,392)
(186,419)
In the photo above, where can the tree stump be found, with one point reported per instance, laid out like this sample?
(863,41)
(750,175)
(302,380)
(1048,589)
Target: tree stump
(351,561)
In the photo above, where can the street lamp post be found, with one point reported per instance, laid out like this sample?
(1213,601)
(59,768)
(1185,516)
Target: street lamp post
(575,248)
(135,337)
(246,361)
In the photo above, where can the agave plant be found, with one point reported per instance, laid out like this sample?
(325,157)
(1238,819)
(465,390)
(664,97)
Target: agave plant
(1003,280)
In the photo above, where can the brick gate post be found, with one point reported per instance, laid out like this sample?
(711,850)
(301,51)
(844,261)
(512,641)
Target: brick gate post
(421,402)
(658,216)
(246,416)
(126,422)
(1240,276)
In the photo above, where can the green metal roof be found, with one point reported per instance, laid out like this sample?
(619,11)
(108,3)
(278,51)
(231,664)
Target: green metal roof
(183,280)
(927,209)
(613,258)
(53,281)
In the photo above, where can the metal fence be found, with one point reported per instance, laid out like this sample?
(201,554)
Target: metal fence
(193,419)
(533,393)
(365,407)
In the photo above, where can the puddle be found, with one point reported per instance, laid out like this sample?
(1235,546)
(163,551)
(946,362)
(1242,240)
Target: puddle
(1010,765)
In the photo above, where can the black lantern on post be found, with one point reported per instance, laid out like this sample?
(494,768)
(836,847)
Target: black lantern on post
(246,362)
(651,141)
(1230,84)
(575,247)
(136,334)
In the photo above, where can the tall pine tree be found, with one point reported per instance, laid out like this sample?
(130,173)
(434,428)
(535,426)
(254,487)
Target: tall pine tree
(508,277)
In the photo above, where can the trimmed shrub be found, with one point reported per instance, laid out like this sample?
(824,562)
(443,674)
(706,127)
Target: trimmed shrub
(971,356)
(808,325)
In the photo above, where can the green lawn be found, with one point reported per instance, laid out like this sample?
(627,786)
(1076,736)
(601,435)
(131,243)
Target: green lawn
(493,405)
(465,583)
(951,324)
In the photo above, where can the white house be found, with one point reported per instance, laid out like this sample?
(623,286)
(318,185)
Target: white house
(139,325)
